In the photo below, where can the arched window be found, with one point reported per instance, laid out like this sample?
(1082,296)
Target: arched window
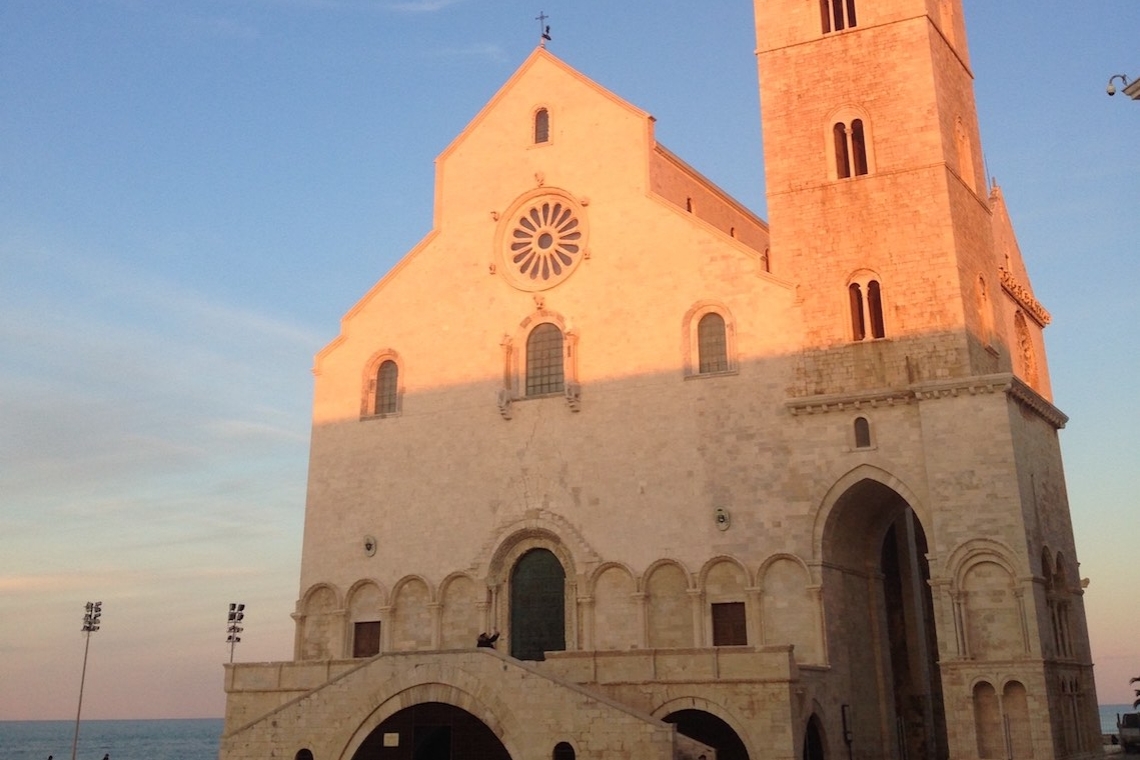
(837,15)
(538,617)
(712,344)
(387,384)
(866,299)
(563,751)
(304,754)
(850,149)
(544,367)
(541,126)
(862,433)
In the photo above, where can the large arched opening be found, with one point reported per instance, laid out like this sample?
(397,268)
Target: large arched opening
(538,605)
(711,730)
(432,731)
(881,622)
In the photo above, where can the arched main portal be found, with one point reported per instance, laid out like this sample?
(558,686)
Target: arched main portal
(432,731)
(538,605)
(711,730)
(881,623)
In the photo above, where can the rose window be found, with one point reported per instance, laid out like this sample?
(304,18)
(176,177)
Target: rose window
(545,243)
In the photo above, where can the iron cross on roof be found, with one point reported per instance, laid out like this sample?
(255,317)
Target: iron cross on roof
(543,29)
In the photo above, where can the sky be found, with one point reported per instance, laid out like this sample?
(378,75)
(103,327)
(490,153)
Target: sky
(193,193)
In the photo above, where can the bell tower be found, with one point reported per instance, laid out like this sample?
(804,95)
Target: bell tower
(876,192)
(917,313)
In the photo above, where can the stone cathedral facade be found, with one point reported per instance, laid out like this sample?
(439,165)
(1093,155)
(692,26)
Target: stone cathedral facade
(725,487)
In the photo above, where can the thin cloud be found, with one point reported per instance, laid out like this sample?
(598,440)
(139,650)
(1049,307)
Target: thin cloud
(421,6)
(475,50)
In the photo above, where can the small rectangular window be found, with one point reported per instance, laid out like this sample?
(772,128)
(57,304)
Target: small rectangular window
(366,638)
(730,628)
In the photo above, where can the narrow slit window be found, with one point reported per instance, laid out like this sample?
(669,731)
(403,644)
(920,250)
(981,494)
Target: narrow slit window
(862,433)
(875,307)
(858,148)
(842,161)
(858,329)
(541,126)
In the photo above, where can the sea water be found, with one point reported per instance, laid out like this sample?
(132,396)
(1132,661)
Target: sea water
(121,739)
(175,739)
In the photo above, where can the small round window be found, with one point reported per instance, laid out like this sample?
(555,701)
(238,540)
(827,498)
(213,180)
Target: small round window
(544,241)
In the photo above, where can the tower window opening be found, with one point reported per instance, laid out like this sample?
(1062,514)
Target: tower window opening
(541,126)
(866,310)
(850,149)
(862,433)
(837,15)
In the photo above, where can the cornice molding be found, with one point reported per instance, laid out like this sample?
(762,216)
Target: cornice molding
(1024,298)
(973,386)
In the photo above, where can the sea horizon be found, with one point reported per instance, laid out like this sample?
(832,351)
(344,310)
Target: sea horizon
(182,738)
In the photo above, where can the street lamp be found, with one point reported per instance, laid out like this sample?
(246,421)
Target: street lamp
(90,625)
(1131,89)
(233,626)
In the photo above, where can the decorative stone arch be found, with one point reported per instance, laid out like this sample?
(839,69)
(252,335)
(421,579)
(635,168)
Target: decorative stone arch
(690,338)
(866,305)
(844,484)
(510,550)
(989,606)
(354,612)
(307,597)
(712,708)
(463,605)
(674,612)
(370,384)
(592,579)
(727,602)
(515,352)
(611,609)
(703,573)
(435,682)
(978,550)
(656,564)
(495,560)
(412,625)
(793,612)
(320,623)
(849,116)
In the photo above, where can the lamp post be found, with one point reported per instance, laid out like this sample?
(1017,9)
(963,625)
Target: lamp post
(1131,89)
(233,626)
(90,625)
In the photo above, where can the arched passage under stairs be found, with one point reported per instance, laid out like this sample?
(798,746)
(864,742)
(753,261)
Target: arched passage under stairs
(432,731)
(711,730)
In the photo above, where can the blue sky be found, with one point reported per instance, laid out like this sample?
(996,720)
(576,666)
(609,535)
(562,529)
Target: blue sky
(193,193)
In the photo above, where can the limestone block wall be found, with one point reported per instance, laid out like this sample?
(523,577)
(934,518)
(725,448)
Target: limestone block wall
(529,711)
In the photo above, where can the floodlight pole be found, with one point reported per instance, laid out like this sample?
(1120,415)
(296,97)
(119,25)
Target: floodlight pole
(233,627)
(90,625)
